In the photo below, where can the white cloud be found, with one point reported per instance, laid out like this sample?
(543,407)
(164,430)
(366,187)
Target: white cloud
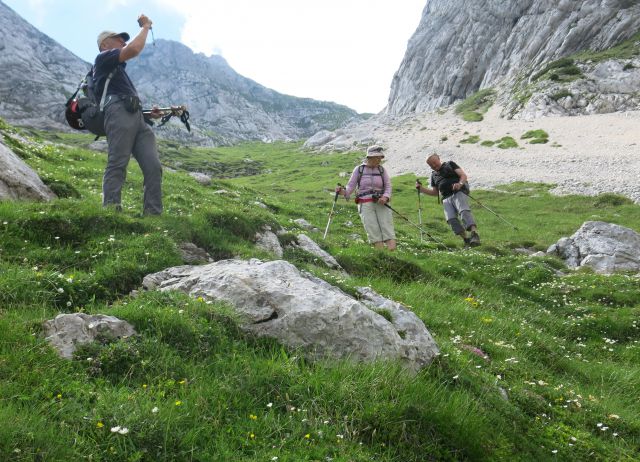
(40,8)
(339,50)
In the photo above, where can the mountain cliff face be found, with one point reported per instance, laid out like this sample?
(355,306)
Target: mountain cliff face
(37,75)
(225,105)
(461,47)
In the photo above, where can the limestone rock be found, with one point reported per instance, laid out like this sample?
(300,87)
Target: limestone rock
(460,47)
(66,331)
(18,181)
(304,224)
(419,346)
(320,138)
(202,178)
(192,254)
(605,247)
(302,311)
(230,107)
(268,240)
(309,245)
(37,75)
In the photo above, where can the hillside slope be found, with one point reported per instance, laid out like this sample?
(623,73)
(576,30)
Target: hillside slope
(537,362)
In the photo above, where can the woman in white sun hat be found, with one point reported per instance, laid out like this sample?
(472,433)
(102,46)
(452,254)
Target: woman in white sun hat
(372,185)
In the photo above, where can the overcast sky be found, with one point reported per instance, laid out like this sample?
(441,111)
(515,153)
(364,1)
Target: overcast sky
(344,51)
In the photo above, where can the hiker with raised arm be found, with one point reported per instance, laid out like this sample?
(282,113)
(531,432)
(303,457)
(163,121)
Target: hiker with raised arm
(127,132)
(372,185)
(449,180)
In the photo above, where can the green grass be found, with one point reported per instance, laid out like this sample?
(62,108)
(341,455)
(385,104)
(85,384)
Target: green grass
(564,348)
(536,136)
(472,139)
(506,142)
(563,69)
(626,49)
(472,108)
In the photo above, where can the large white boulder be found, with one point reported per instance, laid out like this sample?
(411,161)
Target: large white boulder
(18,181)
(305,312)
(605,247)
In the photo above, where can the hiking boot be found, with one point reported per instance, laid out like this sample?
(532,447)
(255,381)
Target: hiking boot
(474,240)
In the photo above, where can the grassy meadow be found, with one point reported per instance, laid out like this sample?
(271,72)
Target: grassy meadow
(537,363)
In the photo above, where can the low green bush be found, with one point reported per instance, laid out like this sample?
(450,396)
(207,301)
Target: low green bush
(472,108)
(471,139)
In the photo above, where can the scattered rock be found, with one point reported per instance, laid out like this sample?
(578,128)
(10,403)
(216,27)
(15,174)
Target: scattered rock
(66,331)
(605,247)
(192,254)
(304,224)
(268,240)
(18,181)
(99,145)
(309,245)
(203,179)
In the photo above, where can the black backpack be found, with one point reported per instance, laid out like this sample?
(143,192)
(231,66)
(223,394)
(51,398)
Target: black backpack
(86,112)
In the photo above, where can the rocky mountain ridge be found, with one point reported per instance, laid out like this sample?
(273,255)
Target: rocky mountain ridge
(461,47)
(226,106)
(37,75)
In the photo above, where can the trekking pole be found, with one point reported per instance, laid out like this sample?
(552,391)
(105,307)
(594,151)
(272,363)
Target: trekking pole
(333,206)
(487,208)
(438,241)
(419,208)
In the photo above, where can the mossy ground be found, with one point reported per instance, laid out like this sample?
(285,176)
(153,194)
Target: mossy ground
(560,378)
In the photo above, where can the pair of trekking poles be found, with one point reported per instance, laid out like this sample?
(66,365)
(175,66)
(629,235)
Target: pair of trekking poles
(333,206)
(418,226)
(468,195)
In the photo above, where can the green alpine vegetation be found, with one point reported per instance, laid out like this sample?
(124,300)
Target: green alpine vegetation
(536,136)
(563,69)
(537,362)
(472,108)
(626,49)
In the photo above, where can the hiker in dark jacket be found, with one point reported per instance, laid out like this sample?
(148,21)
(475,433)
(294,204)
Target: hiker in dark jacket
(373,190)
(127,132)
(449,180)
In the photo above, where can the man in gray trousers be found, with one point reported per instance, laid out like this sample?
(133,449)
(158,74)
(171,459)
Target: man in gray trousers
(127,132)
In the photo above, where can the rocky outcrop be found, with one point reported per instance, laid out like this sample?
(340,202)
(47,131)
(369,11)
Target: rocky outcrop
(603,87)
(37,74)
(224,104)
(461,47)
(202,178)
(305,312)
(605,247)
(67,331)
(18,181)
(192,254)
(268,240)
(307,244)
